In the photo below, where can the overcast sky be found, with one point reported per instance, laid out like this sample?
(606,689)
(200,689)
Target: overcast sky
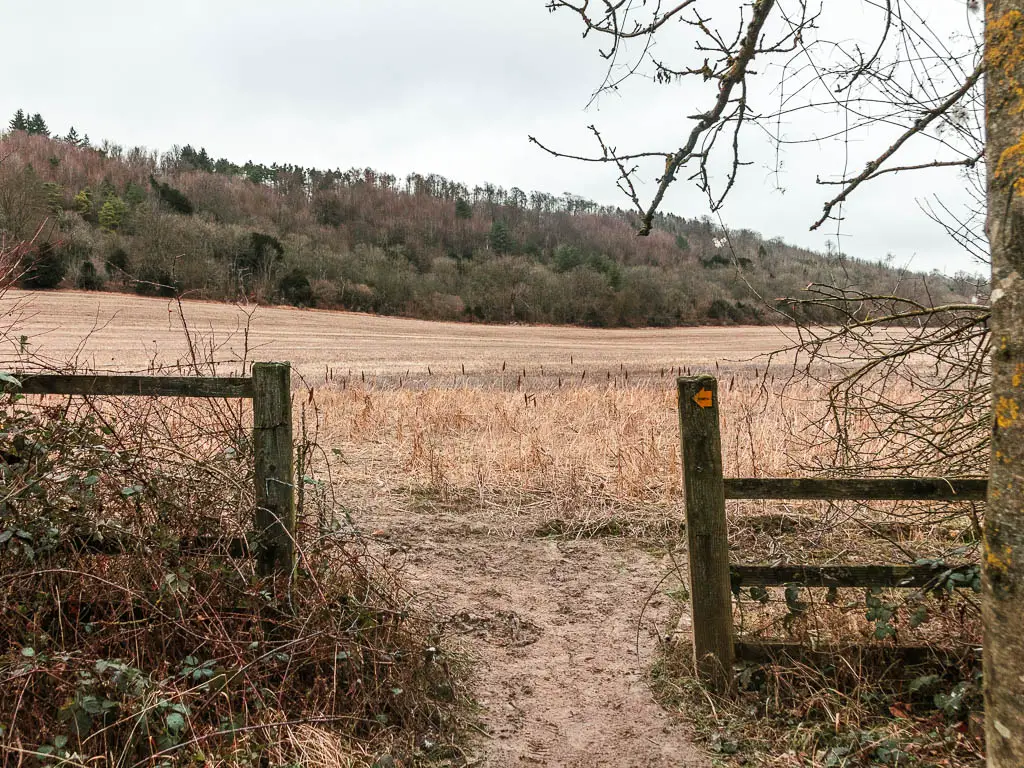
(450,87)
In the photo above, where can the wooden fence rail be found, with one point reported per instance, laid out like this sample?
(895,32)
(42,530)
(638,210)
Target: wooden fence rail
(713,577)
(859,489)
(128,386)
(269,388)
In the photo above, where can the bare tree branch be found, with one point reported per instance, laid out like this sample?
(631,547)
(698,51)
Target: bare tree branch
(871,169)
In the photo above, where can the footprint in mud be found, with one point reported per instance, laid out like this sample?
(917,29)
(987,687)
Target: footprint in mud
(502,628)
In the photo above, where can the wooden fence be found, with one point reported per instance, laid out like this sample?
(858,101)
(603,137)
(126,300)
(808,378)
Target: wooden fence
(713,577)
(269,388)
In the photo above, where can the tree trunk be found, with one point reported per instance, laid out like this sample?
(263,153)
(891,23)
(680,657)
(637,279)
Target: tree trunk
(1003,556)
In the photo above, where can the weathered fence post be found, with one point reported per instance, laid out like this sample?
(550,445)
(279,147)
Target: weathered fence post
(707,536)
(272,445)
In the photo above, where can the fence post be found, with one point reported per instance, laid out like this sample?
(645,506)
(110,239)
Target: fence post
(272,445)
(706,532)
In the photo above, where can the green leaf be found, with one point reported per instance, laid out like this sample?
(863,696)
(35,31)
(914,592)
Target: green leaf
(60,741)
(919,617)
(175,722)
(883,631)
(92,704)
(923,684)
(28,652)
(6,378)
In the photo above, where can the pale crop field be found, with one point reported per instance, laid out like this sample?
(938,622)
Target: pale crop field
(124,332)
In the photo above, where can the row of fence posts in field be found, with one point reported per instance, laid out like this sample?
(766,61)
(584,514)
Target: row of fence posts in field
(269,388)
(337,377)
(713,577)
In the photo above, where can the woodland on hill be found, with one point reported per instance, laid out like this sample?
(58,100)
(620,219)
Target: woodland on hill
(182,223)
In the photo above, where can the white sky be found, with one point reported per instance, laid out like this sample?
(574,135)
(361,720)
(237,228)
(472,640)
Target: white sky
(411,85)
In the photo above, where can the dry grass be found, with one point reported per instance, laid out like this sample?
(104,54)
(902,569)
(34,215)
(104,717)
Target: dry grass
(586,453)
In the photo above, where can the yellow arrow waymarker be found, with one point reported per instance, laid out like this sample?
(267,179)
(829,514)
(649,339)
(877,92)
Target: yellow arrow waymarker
(703,398)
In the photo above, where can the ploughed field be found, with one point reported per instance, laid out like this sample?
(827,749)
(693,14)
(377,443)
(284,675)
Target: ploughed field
(124,332)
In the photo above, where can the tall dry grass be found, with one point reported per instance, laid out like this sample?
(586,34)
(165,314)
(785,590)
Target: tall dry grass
(604,460)
(575,450)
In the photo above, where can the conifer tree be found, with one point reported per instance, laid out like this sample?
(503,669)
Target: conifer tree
(83,201)
(72,137)
(54,196)
(19,122)
(37,126)
(112,213)
(499,238)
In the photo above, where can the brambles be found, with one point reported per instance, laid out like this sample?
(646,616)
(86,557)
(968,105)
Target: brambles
(133,625)
(131,634)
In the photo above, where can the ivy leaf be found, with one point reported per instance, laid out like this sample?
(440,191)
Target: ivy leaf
(175,722)
(919,617)
(9,380)
(883,631)
(924,684)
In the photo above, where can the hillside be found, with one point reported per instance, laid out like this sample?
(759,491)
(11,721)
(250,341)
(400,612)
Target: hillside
(111,218)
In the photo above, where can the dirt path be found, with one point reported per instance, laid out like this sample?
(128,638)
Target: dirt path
(552,627)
